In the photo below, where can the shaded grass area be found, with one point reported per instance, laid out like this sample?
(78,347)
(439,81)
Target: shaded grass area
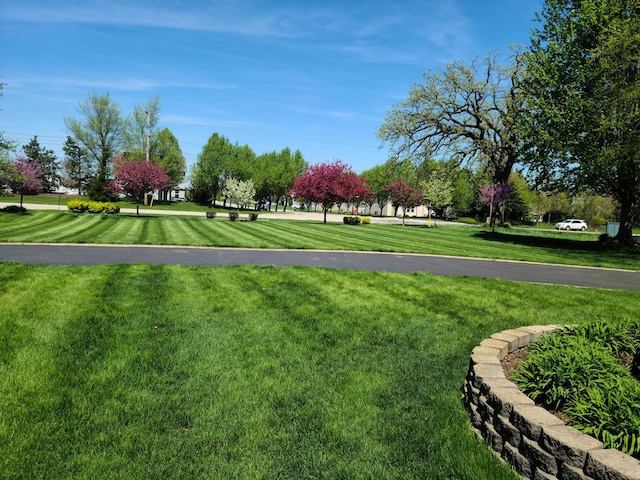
(535,246)
(142,371)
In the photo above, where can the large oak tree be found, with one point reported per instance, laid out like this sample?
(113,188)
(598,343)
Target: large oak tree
(466,112)
(99,133)
(583,79)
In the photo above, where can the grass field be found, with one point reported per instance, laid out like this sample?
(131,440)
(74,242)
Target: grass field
(162,372)
(550,247)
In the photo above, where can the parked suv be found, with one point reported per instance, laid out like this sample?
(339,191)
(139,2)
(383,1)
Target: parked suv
(571,224)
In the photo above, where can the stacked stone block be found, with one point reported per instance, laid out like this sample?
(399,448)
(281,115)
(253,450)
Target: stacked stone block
(536,443)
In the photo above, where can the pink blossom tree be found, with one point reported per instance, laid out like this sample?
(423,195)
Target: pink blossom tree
(404,195)
(496,196)
(137,178)
(329,184)
(23,176)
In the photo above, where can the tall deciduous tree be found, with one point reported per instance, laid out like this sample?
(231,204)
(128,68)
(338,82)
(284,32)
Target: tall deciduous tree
(141,127)
(99,132)
(583,79)
(137,178)
(404,196)
(327,184)
(467,112)
(48,162)
(23,176)
(166,152)
(377,178)
(219,160)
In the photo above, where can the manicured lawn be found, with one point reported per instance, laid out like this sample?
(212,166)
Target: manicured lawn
(161,372)
(551,247)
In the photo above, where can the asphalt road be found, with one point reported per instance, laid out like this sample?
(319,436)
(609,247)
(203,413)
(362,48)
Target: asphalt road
(62,254)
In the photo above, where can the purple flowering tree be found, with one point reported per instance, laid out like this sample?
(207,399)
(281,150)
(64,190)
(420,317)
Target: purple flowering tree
(23,176)
(496,196)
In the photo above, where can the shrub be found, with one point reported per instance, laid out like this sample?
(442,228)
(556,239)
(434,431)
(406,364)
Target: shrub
(14,209)
(366,220)
(351,220)
(77,206)
(211,214)
(253,217)
(111,208)
(233,216)
(80,206)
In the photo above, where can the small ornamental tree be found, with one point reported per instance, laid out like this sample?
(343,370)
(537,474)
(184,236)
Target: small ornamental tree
(404,195)
(136,178)
(496,196)
(240,192)
(328,184)
(23,176)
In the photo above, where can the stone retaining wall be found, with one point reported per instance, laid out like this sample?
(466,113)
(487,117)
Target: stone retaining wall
(536,443)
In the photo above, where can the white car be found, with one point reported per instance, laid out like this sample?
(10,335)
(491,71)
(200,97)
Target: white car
(572,224)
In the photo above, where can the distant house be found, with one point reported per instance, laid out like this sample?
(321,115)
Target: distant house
(388,210)
(178,193)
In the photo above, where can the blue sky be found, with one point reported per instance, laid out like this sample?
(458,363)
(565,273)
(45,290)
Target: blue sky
(318,76)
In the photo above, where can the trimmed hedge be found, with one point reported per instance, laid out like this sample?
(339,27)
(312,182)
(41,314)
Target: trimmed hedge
(355,220)
(81,206)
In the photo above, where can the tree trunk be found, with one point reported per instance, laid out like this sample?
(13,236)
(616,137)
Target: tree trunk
(625,233)
(325,215)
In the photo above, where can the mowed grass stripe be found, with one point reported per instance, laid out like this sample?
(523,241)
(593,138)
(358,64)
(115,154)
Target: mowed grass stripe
(88,228)
(280,235)
(19,227)
(191,229)
(60,231)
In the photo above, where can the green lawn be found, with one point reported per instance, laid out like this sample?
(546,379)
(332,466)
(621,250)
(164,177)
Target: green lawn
(162,372)
(551,247)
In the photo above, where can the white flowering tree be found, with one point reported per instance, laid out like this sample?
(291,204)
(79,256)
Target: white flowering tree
(239,192)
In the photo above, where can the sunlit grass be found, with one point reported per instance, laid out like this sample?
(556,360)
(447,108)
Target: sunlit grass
(140,371)
(535,246)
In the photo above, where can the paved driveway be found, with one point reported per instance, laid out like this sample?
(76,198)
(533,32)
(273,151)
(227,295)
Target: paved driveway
(392,262)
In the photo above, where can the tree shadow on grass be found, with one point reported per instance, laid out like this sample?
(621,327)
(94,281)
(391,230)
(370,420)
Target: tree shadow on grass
(554,243)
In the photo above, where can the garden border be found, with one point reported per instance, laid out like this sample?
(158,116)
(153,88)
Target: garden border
(533,441)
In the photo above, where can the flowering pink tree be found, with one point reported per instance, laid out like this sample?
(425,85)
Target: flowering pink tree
(328,184)
(496,196)
(24,176)
(137,178)
(404,195)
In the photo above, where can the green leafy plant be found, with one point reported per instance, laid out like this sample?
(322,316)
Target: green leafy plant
(579,371)
(366,220)
(351,220)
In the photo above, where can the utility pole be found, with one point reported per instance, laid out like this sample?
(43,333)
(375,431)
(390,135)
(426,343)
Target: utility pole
(146,201)
(148,134)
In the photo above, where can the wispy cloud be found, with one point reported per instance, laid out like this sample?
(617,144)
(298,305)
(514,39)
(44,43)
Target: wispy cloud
(221,18)
(121,83)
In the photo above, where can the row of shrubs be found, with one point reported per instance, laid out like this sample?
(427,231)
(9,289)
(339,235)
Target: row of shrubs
(233,216)
(81,206)
(356,220)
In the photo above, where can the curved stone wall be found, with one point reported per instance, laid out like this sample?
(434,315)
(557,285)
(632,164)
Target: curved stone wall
(536,443)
